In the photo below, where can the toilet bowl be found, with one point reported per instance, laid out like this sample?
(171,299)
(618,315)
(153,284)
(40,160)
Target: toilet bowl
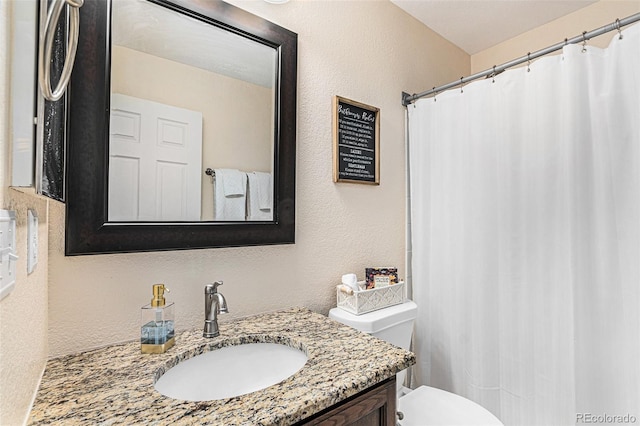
(424,406)
(427,406)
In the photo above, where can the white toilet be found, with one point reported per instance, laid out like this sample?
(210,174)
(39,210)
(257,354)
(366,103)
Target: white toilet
(424,406)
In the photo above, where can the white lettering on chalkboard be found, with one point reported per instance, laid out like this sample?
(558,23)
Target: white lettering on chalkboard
(347,111)
(356,139)
(368,117)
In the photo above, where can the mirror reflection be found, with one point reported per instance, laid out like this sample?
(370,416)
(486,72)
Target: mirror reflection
(192,119)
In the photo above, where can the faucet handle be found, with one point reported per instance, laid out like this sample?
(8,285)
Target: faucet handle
(212,288)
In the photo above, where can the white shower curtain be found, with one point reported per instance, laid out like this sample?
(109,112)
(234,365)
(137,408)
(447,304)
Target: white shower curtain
(525,238)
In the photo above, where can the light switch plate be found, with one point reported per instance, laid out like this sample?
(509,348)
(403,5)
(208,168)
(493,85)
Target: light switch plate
(32,240)
(8,256)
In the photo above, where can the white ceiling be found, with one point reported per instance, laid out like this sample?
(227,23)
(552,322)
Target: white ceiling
(475,25)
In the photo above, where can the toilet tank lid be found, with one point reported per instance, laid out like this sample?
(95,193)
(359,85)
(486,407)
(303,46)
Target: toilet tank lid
(376,321)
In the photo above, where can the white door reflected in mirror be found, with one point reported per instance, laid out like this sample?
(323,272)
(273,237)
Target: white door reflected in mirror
(155,152)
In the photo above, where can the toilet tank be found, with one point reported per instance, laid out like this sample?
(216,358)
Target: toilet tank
(393,324)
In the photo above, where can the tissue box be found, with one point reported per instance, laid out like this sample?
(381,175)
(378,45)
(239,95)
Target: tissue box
(381,276)
(361,302)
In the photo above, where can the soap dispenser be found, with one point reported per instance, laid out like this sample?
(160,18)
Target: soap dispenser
(157,332)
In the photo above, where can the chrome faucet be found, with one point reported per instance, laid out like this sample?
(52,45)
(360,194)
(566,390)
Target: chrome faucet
(214,304)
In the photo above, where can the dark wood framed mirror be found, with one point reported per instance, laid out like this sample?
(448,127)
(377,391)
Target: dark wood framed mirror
(89,229)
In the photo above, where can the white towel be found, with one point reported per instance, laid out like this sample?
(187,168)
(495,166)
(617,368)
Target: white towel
(260,196)
(265,190)
(233,181)
(230,195)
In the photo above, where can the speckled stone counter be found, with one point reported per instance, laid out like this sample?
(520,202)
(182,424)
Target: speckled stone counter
(114,385)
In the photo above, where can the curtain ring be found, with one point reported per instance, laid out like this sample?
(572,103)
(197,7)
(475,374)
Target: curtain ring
(584,42)
(493,80)
(618,28)
(529,62)
(461,85)
(46,46)
(434,93)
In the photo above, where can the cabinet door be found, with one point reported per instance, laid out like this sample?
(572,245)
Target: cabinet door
(375,406)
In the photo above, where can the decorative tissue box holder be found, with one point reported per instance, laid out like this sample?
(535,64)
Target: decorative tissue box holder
(361,302)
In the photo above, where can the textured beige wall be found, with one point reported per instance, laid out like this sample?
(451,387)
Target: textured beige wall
(24,316)
(368,51)
(23,313)
(589,18)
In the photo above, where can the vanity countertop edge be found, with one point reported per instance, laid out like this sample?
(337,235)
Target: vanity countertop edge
(115,384)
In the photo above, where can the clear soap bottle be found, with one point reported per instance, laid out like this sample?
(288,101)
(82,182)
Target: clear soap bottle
(157,332)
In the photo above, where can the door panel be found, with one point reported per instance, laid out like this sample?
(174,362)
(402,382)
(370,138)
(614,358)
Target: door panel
(124,191)
(172,200)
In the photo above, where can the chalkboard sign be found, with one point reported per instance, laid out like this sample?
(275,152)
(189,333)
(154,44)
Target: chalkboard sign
(356,142)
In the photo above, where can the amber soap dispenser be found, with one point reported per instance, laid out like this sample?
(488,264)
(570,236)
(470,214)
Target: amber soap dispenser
(157,332)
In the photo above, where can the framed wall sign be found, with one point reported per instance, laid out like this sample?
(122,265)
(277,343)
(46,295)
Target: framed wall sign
(356,142)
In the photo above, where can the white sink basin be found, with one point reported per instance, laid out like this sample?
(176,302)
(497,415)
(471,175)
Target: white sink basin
(230,371)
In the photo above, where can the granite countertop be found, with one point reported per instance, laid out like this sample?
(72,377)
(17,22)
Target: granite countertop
(114,385)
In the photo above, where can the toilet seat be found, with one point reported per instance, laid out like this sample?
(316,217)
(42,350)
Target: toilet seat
(426,406)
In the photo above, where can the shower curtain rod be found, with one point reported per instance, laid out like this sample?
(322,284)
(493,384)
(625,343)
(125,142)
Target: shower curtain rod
(617,25)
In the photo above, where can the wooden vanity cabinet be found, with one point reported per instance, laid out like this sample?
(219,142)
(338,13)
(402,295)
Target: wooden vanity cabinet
(375,406)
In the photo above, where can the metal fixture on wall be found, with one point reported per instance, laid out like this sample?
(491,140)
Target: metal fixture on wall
(45,48)
(497,69)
